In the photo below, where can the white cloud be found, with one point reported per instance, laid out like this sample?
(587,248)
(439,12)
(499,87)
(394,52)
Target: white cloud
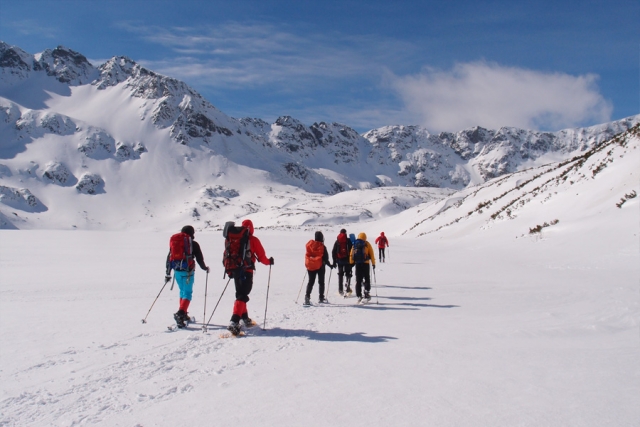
(338,73)
(489,95)
(241,55)
(29,27)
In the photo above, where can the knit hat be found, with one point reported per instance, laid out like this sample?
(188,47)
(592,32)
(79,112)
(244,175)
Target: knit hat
(187,229)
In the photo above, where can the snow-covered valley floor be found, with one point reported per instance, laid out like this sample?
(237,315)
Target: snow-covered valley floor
(485,330)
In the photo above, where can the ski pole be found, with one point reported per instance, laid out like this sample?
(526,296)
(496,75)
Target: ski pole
(172,282)
(204,314)
(154,301)
(214,308)
(304,277)
(266,303)
(328,284)
(375,283)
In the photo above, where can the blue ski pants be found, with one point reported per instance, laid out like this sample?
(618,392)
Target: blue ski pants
(185,281)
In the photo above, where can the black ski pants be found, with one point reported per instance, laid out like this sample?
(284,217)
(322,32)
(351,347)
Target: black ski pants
(244,283)
(345,269)
(362,275)
(243,280)
(312,280)
(381,254)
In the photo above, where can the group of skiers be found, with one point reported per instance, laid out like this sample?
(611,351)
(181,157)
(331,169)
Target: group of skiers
(243,250)
(348,253)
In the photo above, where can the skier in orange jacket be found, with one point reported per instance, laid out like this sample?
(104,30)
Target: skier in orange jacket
(315,259)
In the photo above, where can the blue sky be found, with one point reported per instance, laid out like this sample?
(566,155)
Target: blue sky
(443,65)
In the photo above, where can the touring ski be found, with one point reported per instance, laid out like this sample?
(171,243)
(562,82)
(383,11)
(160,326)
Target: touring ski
(230,335)
(187,322)
(251,324)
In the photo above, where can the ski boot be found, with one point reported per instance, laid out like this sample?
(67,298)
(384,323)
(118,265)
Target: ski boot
(323,300)
(179,317)
(307,301)
(367,297)
(234,328)
(248,323)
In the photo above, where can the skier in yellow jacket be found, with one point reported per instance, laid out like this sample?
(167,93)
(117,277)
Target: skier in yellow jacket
(361,255)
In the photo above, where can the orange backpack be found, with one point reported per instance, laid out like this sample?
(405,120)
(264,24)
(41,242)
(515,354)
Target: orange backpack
(313,257)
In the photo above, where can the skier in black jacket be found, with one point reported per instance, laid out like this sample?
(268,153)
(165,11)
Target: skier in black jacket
(184,273)
(340,255)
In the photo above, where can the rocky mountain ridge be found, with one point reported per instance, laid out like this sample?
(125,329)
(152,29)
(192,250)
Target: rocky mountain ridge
(100,130)
(391,155)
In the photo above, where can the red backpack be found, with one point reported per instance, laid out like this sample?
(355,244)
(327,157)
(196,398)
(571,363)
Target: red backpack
(237,250)
(181,252)
(343,251)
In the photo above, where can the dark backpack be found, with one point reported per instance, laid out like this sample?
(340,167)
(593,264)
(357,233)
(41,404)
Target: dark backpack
(181,252)
(237,250)
(359,256)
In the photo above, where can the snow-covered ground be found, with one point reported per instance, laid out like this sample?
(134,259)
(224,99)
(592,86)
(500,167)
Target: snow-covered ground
(484,330)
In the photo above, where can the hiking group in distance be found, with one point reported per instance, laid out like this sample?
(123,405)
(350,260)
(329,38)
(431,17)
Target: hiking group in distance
(241,252)
(348,253)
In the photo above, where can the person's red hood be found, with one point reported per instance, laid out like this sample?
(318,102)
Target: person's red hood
(247,223)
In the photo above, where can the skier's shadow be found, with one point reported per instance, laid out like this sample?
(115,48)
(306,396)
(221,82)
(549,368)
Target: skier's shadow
(406,298)
(414,302)
(419,288)
(401,306)
(324,336)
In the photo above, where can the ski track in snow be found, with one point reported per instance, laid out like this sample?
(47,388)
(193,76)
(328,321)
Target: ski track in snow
(85,401)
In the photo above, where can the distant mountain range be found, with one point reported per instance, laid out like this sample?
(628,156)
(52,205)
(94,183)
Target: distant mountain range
(70,129)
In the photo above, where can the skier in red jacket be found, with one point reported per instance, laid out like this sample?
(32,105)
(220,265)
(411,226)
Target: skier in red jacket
(382,243)
(244,282)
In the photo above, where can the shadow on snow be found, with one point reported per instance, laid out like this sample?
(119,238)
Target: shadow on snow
(421,288)
(324,336)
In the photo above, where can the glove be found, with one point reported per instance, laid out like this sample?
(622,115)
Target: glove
(206,269)
(167,279)
(271,261)
(335,264)
(374,266)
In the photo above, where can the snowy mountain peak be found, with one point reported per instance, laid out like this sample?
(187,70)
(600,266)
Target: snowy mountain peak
(116,70)
(66,65)
(107,129)
(15,63)
(144,83)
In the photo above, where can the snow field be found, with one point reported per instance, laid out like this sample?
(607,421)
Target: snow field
(472,331)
